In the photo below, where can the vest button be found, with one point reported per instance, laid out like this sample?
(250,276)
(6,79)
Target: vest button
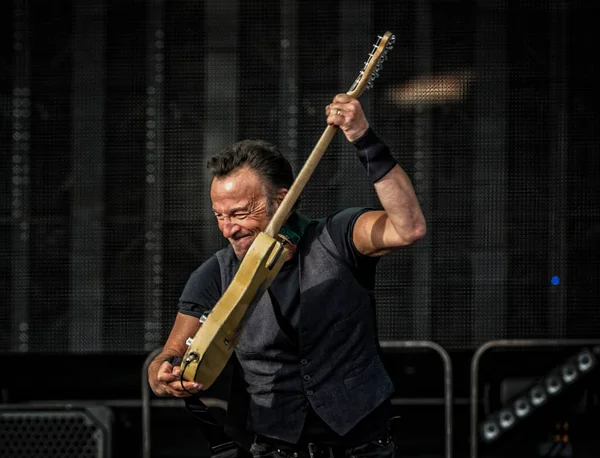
(303,361)
(306,377)
(310,392)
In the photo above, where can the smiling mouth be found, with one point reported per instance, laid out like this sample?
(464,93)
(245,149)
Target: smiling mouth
(239,239)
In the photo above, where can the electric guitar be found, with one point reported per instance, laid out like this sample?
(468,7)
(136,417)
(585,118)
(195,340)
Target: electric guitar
(212,346)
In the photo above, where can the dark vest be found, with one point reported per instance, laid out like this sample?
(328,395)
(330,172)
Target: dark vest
(337,368)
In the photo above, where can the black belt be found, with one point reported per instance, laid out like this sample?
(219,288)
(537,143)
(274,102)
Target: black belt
(316,450)
(324,451)
(310,450)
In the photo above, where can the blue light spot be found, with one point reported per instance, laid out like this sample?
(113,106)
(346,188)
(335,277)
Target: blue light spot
(555,280)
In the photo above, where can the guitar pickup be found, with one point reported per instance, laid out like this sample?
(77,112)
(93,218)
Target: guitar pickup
(276,256)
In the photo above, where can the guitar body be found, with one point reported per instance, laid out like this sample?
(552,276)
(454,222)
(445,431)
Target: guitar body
(218,336)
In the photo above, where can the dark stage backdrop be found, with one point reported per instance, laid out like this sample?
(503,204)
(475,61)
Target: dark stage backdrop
(109,110)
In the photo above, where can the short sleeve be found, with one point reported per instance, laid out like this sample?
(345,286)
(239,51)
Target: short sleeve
(202,290)
(340,226)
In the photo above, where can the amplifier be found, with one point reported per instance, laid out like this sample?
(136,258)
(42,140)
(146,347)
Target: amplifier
(55,431)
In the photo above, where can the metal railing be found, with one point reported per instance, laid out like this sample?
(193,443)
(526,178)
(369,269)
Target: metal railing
(420,344)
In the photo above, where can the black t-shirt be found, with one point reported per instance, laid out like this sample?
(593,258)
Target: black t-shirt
(203,290)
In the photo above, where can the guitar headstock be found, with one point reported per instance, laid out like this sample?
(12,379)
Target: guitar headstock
(373,65)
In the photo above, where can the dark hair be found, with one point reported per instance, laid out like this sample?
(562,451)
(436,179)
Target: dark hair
(262,157)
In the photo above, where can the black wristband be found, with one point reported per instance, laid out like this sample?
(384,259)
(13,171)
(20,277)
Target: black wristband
(374,155)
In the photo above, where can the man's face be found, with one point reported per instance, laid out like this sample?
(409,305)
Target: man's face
(239,203)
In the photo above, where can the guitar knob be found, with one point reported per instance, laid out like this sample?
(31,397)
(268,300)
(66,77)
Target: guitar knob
(189,341)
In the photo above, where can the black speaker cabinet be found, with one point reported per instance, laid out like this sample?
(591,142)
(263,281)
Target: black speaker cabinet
(55,431)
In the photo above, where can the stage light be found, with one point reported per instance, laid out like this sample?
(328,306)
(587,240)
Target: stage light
(585,360)
(537,395)
(522,407)
(553,384)
(569,373)
(490,430)
(506,418)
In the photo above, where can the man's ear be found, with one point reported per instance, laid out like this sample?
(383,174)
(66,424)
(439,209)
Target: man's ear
(280,195)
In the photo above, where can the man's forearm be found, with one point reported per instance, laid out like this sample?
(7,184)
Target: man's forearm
(393,187)
(398,199)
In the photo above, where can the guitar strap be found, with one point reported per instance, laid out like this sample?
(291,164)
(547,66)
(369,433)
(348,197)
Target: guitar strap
(294,227)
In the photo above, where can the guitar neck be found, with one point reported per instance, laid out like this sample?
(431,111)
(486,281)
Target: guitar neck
(362,83)
(288,202)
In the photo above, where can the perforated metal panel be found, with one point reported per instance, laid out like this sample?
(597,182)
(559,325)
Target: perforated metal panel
(506,169)
(55,434)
